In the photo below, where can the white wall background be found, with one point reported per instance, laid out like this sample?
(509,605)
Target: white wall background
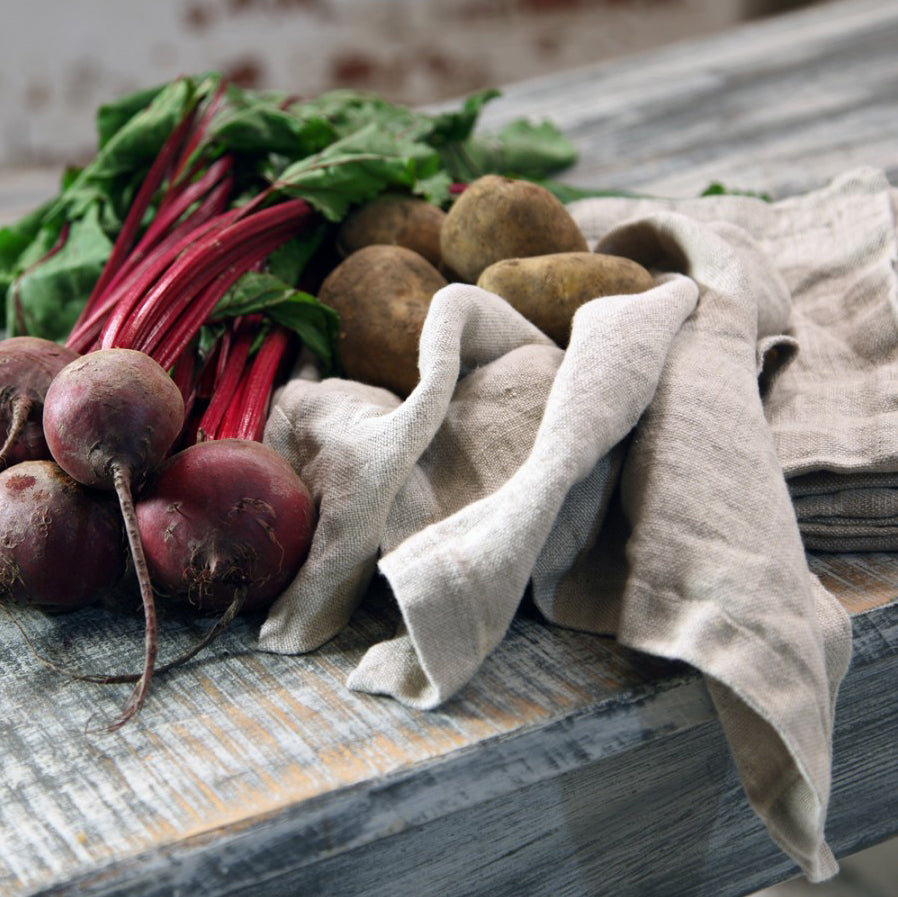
(59,59)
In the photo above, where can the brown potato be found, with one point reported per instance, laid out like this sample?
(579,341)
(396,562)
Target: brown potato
(395,219)
(381,294)
(498,218)
(548,289)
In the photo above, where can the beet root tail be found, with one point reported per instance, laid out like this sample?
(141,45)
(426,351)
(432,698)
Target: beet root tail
(122,483)
(21,408)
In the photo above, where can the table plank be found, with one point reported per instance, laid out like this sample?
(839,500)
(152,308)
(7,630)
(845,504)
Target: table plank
(778,106)
(567,754)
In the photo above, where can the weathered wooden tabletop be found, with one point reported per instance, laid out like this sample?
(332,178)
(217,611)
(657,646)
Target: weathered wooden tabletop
(569,766)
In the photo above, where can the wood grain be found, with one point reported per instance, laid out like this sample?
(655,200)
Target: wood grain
(779,106)
(569,765)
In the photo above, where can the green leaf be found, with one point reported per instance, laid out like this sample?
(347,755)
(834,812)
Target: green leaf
(316,324)
(52,292)
(262,292)
(357,168)
(718,189)
(259,122)
(434,189)
(289,260)
(349,111)
(207,340)
(520,148)
(458,125)
(111,117)
(14,242)
(109,178)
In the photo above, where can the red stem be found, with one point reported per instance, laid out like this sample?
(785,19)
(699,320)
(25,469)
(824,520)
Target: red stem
(129,295)
(212,372)
(177,202)
(245,418)
(142,275)
(241,243)
(199,132)
(182,374)
(150,185)
(227,383)
(180,320)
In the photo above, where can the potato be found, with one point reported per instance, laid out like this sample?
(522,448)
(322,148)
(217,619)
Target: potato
(498,218)
(548,289)
(395,219)
(381,294)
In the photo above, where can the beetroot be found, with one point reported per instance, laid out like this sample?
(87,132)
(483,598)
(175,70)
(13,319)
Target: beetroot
(28,364)
(224,522)
(61,545)
(110,418)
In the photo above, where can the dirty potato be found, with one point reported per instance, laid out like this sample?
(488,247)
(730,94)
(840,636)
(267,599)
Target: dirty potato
(394,219)
(381,294)
(498,218)
(548,289)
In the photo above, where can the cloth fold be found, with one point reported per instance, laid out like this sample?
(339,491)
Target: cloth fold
(847,511)
(636,481)
(834,412)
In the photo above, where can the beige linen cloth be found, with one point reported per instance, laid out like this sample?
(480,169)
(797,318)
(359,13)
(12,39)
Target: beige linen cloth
(635,480)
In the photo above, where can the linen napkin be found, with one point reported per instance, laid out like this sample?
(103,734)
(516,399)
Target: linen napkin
(834,412)
(635,480)
(847,512)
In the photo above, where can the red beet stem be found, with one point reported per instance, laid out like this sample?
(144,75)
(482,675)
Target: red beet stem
(124,294)
(245,419)
(241,243)
(174,206)
(228,380)
(126,236)
(199,131)
(180,321)
(128,297)
(183,375)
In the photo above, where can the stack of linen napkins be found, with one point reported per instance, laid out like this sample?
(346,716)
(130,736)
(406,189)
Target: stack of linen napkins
(653,481)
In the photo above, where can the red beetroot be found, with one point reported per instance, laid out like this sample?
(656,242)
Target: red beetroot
(28,364)
(110,418)
(226,521)
(61,545)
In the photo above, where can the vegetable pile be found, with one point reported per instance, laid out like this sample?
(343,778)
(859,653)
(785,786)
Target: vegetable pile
(152,307)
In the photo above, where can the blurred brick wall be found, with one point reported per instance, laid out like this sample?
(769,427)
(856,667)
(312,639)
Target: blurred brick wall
(59,59)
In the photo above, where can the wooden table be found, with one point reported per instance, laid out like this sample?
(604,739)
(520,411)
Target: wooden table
(569,766)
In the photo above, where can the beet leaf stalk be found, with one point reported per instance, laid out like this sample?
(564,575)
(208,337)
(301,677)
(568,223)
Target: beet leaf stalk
(124,293)
(161,166)
(229,375)
(171,312)
(245,417)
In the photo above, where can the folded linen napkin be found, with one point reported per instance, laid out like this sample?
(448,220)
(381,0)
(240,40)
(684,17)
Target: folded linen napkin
(636,479)
(847,512)
(834,411)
